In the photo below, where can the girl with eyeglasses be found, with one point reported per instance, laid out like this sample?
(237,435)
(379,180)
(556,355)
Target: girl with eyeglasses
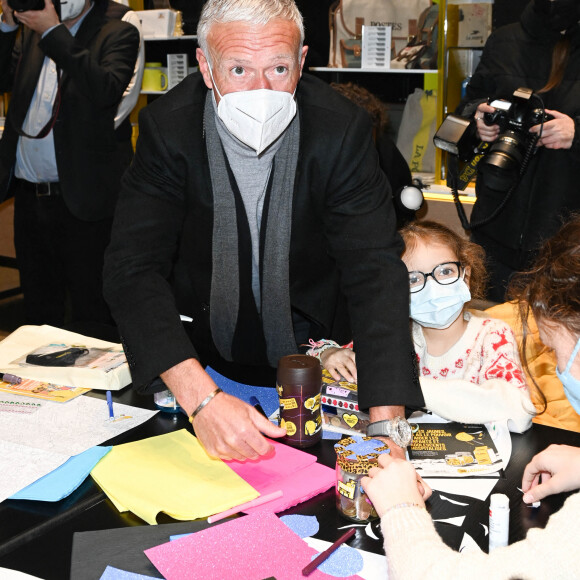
(468,365)
(550,293)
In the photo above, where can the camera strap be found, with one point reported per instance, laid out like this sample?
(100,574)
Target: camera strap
(457,182)
(469,169)
(53,117)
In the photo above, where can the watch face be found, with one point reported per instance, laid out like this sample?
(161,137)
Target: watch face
(404,431)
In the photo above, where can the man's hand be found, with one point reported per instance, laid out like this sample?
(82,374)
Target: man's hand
(558,469)
(7,13)
(557,133)
(40,20)
(385,413)
(394,482)
(340,362)
(227,427)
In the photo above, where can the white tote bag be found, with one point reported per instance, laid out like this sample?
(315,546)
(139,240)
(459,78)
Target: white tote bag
(347,17)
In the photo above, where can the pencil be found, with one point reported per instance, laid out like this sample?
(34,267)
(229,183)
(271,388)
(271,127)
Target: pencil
(255,502)
(307,570)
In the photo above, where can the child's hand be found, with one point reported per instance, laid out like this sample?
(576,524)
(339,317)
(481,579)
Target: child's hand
(340,362)
(559,469)
(394,482)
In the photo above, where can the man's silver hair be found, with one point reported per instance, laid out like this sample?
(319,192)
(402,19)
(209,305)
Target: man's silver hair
(252,11)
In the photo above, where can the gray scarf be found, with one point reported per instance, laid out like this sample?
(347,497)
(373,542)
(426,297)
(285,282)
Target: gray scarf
(225,291)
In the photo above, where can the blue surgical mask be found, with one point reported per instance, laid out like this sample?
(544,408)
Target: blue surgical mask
(438,305)
(571,384)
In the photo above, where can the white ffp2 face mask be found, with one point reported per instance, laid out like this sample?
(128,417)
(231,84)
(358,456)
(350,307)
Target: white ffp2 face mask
(70,9)
(257,118)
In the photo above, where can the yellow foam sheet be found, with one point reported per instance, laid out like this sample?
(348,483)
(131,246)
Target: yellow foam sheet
(169,473)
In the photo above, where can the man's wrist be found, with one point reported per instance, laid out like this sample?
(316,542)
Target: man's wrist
(5,26)
(204,403)
(189,382)
(386,412)
(396,429)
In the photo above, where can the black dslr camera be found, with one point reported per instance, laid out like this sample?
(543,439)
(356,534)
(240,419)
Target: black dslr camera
(24,5)
(505,160)
(500,164)
(509,154)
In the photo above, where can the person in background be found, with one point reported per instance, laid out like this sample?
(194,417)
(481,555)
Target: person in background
(123,127)
(407,194)
(540,52)
(468,365)
(550,291)
(255,208)
(59,156)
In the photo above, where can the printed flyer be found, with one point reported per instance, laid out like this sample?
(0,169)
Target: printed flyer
(42,390)
(453,450)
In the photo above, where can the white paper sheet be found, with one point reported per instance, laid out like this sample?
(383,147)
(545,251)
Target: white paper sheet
(20,466)
(468,544)
(32,445)
(7,574)
(69,428)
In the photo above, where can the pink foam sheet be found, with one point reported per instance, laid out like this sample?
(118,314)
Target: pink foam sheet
(291,470)
(256,546)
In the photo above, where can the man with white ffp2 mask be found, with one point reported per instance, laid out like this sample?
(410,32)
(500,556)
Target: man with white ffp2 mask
(258,117)
(256,207)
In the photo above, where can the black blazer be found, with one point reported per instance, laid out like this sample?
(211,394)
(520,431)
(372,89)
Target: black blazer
(343,250)
(97,65)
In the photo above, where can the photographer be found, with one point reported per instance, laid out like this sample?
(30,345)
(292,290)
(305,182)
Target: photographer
(59,156)
(540,52)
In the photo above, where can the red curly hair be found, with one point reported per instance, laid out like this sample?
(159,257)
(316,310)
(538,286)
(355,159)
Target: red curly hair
(470,255)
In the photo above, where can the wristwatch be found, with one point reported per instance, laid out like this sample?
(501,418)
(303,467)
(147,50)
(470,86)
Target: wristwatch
(397,429)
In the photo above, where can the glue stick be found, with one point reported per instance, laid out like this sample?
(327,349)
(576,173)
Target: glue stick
(499,520)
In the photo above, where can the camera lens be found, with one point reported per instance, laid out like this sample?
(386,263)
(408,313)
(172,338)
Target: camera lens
(501,166)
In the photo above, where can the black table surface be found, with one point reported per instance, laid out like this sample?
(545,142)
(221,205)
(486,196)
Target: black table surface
(37,537)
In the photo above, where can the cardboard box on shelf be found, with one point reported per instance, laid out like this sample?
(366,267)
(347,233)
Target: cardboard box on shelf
(474,26)
(157,23)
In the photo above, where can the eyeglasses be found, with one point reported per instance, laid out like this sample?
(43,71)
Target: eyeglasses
(444,274)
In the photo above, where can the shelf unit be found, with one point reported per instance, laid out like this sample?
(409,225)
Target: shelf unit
(372,70)
(157,49)
(455,63)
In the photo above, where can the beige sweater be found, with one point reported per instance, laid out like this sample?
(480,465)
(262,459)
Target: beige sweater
(415,550)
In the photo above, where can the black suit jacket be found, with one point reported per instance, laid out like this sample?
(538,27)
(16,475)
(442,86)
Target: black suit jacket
(346,277)
(97,65)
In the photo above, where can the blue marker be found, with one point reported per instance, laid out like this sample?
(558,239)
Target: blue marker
(110,404)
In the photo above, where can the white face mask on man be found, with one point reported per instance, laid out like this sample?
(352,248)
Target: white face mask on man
(257,118)
(70,9)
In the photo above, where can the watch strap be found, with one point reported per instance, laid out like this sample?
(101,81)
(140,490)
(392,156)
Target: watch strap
(379,428)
